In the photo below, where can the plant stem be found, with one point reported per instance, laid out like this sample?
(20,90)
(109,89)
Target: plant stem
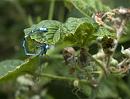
(61,14)
(119,33)
(51,10)
(93,93)
(64,78)
(108,62)
(122,63)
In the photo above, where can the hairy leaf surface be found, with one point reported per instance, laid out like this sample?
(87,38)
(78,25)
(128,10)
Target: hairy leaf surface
(88,7)
(103,32)
(80,31)
(50,37)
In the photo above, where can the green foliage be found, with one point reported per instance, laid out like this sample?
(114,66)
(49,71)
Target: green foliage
(80,31)
(90,80)
(102,32)
(11,69)
(84,29)
(51,37)
(88,7)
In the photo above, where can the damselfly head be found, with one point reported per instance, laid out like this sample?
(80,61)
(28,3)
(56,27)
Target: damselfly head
(43,29)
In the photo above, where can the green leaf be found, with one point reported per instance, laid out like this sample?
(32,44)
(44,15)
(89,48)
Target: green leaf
(50,37)
(82,6)
(10,69)
(73,24)
(80,31)
(57,36)
(103,32)
(79,27)
(88,7)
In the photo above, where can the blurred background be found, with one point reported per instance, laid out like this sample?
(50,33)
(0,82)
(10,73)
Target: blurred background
(16,15)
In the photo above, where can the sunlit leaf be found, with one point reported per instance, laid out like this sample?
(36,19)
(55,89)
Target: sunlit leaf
(102,32)
(10,69)
(80,30)
(88,7)
(50,37)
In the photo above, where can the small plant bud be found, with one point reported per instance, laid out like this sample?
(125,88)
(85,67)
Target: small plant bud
(76,83)
(25,80)
(100,55)
(126,52)
(99,39)
(94,83)
(98,18)
(108,45)
(83,58)
(113,62)
(122,10)
(69,54)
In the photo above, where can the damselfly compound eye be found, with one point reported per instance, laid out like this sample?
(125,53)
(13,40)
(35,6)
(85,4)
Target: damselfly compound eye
(47,46)
(43,29)
(40,30)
